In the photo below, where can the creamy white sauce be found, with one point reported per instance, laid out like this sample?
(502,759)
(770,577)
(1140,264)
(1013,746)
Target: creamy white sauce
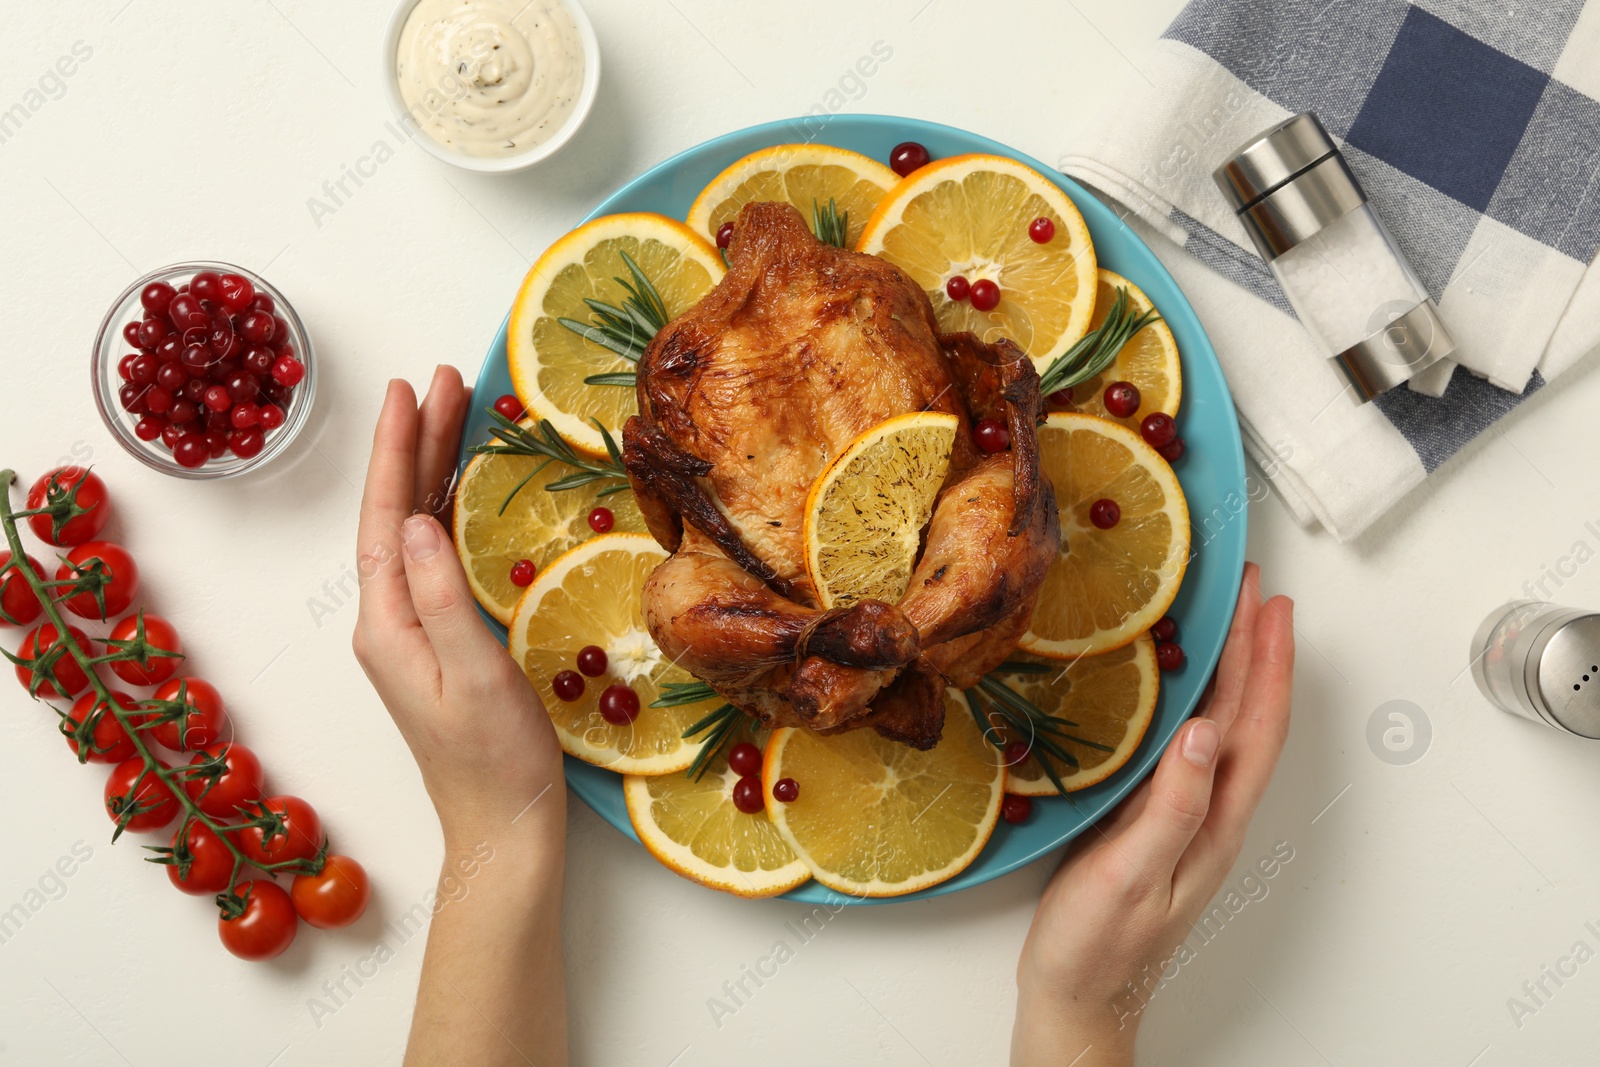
(490,77)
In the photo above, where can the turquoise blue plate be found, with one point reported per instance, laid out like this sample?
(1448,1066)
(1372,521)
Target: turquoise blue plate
(1212,471)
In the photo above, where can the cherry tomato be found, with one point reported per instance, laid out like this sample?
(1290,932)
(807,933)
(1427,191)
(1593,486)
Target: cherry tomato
(239,783)
(115,564)
(265,928)
(301,838)
(77,498)
(18,604)
(64,673)
(152,795)
(158,634)
(204,862)
(203,725)
(334,898)
(108,740)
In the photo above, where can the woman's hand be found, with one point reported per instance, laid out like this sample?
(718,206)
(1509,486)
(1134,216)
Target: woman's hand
(1129,891)
(475,726)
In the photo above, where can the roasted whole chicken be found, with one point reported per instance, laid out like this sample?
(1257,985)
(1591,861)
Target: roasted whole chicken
(743,401)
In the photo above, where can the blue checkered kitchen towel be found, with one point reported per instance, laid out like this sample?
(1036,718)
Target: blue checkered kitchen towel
(1474,128)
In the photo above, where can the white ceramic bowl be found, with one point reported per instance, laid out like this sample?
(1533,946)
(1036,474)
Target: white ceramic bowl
(497,164)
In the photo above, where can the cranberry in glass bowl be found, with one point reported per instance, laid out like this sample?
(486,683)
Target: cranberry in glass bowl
(225,327)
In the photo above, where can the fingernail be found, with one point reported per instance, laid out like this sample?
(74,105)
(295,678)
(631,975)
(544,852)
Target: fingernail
(420,536)
(1200,743)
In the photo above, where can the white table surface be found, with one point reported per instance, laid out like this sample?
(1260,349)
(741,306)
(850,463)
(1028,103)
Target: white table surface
(1414,907)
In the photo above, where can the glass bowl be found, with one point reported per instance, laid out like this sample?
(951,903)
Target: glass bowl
(110,346)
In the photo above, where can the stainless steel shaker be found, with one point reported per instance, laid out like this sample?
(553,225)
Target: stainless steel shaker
(1542,662)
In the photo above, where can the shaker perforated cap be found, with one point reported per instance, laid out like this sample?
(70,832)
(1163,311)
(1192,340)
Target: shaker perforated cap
(1566,676)
(1271,159)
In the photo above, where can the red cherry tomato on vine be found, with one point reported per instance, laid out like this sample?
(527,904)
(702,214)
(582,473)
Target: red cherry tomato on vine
(151,794)
(158,634)
(56,489)
(205,860)
(64,673)
(204,725)
(116,564)
(265,928)
(239,784)
(334,898)
(18,604)
(301,837)
(108,741)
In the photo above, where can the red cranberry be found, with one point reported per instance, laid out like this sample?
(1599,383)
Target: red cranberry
(245,416)
(216,443)
(246,443)
(183,412)
(568,685)
(1165,629)
(157,297)
(236,292)
(125,366)
(509,407)
(170,348)
(1158,429)
(745,759)
(190,450)
(1015,809)
(601,520)
(522,573)
(1122,399)
(288,371)
(592,660)
(258,360)
(131,397)
(985,295)
(148,428)
(207,285)
(130,333)
(157,400)
(243,388)
(1041,230)
(991,435)
(262,302)
(1016,752)
(187,314)
(725,235)
(1172,451)
(786,790)
(217,398)
(957,288)
(170,377)
(747,795)
(170,435)
(906,157)
(142,371)
(194,390)
(1105,513)
(152,332)
(270,416)
(1169,656)
(196,360)
(256,326)
(619,705)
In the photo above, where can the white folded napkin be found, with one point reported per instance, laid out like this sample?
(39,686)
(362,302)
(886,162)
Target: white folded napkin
(1476,136)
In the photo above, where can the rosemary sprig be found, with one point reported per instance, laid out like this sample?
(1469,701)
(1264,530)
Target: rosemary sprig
(1098,348)
(510,439)
(719,727)
(677,694)
(1024,719)
(829,223)
(627,329)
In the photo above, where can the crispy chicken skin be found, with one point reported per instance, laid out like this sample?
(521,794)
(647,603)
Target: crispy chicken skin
(744,400)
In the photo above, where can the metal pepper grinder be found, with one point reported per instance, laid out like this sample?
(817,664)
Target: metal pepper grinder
(1542,662)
